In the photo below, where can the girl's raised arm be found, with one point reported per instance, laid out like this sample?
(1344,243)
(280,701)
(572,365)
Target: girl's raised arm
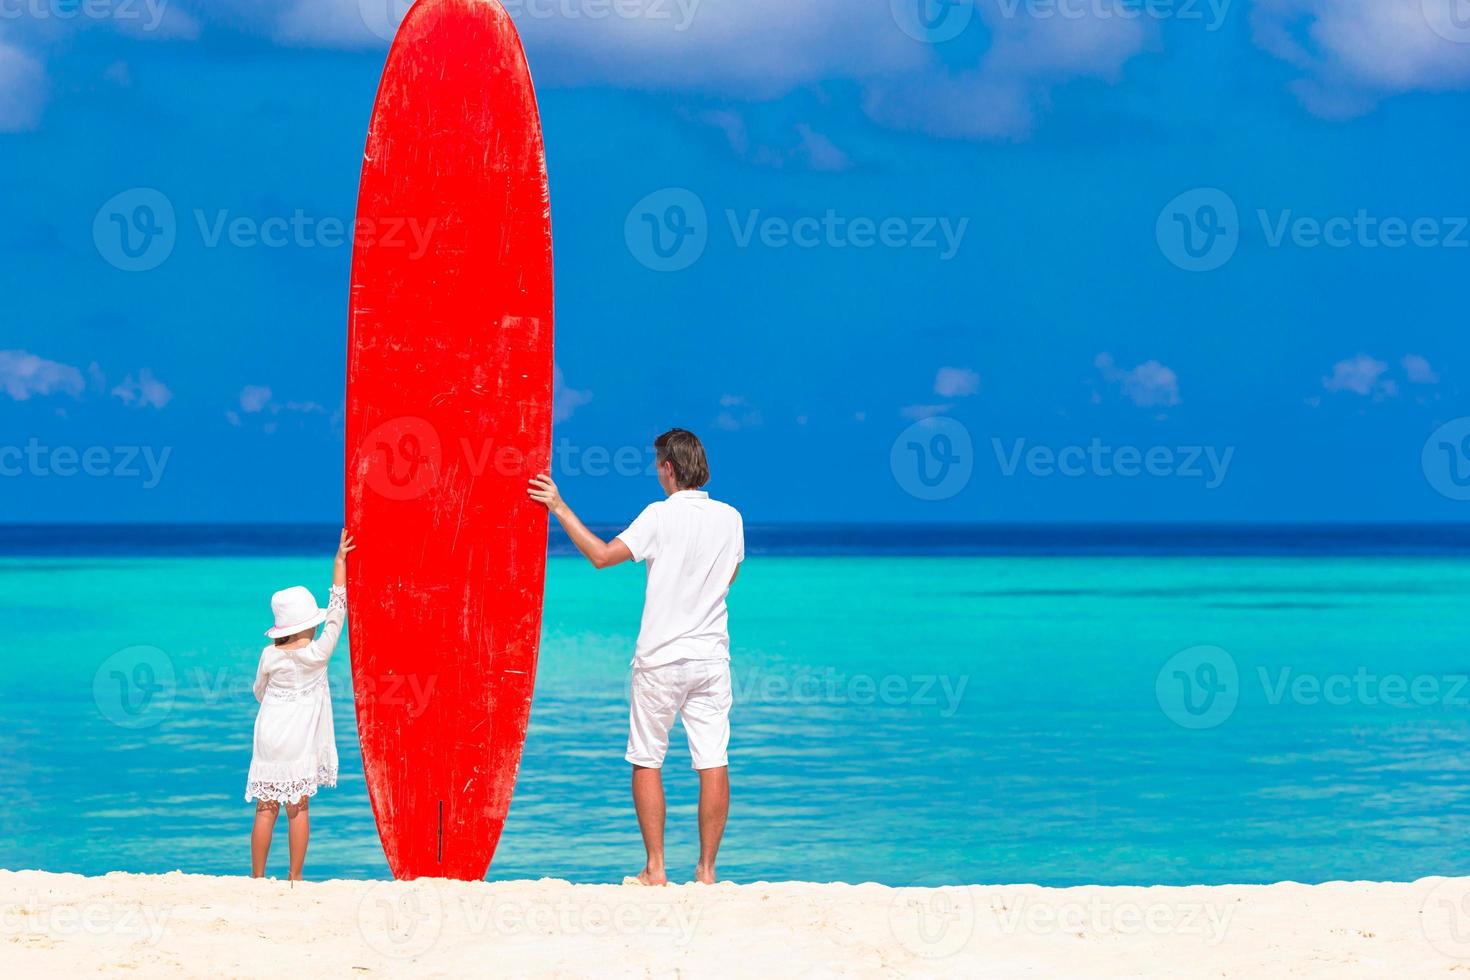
(320,651)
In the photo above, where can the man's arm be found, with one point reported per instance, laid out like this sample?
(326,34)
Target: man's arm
(602,554)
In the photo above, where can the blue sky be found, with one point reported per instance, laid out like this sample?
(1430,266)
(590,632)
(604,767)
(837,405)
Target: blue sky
(1043,260)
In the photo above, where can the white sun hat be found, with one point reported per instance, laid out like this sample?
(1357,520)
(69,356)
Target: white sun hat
(296,611)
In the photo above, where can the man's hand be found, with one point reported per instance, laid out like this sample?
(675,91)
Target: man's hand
(600,553)
(544,491)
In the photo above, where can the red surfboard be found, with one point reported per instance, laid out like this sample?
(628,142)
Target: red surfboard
(449,386)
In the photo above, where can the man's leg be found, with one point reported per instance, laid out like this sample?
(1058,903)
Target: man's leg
(648,800)
(706,716)
(714,808)
(651,712)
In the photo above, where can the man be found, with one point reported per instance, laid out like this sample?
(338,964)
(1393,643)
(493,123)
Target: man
(681,666)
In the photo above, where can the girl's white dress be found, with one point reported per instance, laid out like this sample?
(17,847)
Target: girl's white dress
(295,749)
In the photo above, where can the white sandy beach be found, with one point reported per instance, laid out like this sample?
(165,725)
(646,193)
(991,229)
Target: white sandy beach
(196,926)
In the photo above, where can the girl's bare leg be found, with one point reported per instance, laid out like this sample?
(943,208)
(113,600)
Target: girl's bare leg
(266,812)
(299,823)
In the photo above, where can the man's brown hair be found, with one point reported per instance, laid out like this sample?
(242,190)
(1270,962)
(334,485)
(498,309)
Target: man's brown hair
(683,449)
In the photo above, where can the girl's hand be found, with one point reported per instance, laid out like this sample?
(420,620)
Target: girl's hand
(345,547)
(544,491)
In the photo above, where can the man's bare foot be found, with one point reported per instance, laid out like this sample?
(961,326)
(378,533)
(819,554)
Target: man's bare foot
(648,876)
(703,875)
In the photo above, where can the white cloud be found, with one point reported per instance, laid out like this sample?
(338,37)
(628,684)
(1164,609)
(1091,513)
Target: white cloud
(1353,53)
(763,49)
(954,382)
(820,153)
(565,401)
(805,148)
(23,375)
(261,400)
(762,45)
(1148,385)
(1419,370)
(145,392)
(1361,375)
(1002,97)
(23,90)
(737,414)
(920,412)
(254,398)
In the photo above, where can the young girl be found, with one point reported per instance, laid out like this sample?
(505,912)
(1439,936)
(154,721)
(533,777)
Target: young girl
(295,751)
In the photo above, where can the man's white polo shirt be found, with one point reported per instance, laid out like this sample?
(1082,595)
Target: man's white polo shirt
(692,545)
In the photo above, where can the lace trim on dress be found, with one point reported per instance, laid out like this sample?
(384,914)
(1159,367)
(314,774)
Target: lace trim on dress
(294,694)
(337,599)
(291,790)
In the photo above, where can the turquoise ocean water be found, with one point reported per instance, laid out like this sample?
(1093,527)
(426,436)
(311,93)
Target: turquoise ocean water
(1109,718)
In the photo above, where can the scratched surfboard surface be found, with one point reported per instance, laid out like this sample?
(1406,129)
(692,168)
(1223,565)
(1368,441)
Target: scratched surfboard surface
(449,387)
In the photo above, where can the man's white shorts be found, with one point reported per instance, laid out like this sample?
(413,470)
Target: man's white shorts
(697,691)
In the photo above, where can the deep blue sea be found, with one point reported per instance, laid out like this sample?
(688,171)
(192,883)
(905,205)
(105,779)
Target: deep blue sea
(926,705)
